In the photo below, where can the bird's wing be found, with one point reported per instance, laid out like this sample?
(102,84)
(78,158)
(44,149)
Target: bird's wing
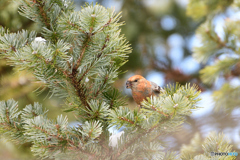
(155,88)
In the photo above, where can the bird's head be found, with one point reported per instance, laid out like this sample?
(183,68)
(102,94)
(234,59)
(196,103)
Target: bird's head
(134,80)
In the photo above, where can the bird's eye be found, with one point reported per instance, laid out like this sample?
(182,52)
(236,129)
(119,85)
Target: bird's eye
(136,80)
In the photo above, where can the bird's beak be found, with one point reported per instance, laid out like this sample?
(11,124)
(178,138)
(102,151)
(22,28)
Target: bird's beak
(128,84)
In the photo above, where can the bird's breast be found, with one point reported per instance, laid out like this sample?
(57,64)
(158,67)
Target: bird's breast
(141,92)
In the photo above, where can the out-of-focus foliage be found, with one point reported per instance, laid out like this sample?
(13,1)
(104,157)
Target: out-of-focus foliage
(198,9)
(220,50)
(227,98)
(201,149)
(160,33)
(15,84)
(10,18)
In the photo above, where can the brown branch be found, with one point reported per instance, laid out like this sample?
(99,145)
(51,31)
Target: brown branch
(153,139)
(105,25)
(7,115)
(58,137)
(154,108)
(40,5)
(13,48)
(100,88)
(92,22)
(75,26)
(219,41)
(89,35)
(83,51)
(136,138)
(86,71)
(80,88)
(6,125)
(62,139)
(51,63)
(125,119)
(172,74)
(70,148)
(99,55)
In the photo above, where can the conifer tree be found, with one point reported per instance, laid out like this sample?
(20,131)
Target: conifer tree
(78,57)
(201,149)
(219,51)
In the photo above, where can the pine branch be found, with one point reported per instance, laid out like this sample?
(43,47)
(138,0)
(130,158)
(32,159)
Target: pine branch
(44,133)
(78,58)
(101,87)
(212,143)
(98,56)
(82,53)
(133,140)
(75,26)
(156,115)
(220,43)
(80,88)
(43,14)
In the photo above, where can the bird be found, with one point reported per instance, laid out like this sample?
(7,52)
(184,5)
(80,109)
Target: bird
(142,88)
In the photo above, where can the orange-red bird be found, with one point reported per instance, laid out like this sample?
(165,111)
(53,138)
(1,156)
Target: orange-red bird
(142,88)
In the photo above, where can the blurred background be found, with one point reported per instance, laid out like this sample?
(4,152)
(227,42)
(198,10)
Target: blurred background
(162,37)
